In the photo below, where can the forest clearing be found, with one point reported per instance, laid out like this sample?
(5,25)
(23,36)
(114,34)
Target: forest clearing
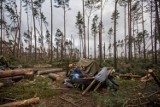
(80,53)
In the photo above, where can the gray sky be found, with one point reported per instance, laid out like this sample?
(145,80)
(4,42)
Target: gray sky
(76,5)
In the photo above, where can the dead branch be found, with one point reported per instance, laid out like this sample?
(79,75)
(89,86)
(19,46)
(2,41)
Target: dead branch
(68,101)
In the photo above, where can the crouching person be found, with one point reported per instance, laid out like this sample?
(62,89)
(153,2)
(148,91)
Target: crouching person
(77,73)
(106,78)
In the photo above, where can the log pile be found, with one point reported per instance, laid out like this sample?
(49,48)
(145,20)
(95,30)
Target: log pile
(8,77)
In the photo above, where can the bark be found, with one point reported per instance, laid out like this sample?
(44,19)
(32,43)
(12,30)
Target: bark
(11,73)
(23,103)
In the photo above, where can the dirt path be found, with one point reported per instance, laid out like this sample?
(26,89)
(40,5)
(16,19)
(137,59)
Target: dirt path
(68,97)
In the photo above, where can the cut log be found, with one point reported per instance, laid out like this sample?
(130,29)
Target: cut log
(23,103)
(49,71)
(154,77)
(11,73)
(53,76)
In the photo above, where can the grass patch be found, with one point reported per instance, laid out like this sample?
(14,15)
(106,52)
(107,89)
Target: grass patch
(40,87)
(116,99)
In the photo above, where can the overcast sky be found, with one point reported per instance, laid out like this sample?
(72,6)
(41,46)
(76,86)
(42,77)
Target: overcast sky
(76,5)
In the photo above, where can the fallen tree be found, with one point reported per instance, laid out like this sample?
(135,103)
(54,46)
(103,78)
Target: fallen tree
(11,73)
(49,71)
(22,103)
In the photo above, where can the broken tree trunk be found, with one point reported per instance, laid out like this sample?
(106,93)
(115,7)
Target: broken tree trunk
(53,76)
(23,103)
(11,73)
(49,71)
(154,77)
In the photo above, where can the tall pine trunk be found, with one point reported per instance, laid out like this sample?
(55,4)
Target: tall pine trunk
(125,33)
(1,28)
(100,36)
(84,49)
(129,31)
(157,19)
(115,43)
(51,32)
(94,45)
(144,47)
(35,37)
(152,35)
(88,37)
